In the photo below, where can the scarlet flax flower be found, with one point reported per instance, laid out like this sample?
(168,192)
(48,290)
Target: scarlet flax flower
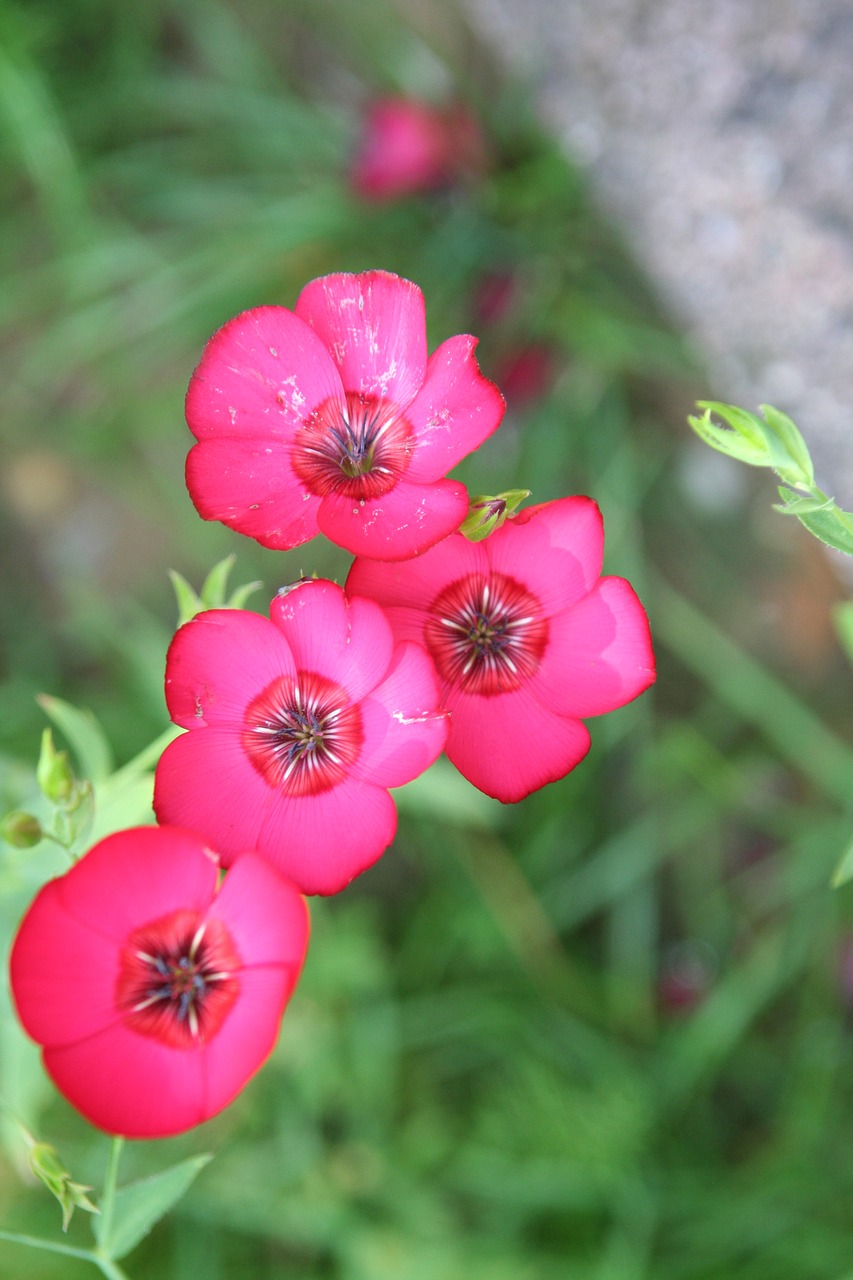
(330,418)
(156,994)
(527,640)
(298,725)
(408,147)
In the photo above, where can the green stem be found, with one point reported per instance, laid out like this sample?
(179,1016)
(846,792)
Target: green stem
(107,1205)
(108,1268)
(35,1242)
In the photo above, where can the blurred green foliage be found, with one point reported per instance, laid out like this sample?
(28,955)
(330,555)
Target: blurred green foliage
(602,1035)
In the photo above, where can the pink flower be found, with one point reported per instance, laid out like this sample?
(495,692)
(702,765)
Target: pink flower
(408,147)
(155,994)
(526,637)
(331,419)
(298,725)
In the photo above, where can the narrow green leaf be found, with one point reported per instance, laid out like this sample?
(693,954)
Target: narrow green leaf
(744,443)
(85,736)
(792,442)
(844,871)
(216,584)
(796,504)
(240,595)
(140,1205)
(830,527)
(189,604)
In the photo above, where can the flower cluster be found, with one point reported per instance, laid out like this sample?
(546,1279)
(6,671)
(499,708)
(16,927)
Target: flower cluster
(155,989)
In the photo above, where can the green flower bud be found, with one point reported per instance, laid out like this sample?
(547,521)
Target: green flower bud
(22,830)
(54,774)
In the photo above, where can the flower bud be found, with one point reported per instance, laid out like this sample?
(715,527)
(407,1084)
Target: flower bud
(21,830)
(54,774)
(46,1164)
(487,513)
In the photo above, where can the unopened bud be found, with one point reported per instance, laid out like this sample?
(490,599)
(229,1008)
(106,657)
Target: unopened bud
(22,830)
(54,774)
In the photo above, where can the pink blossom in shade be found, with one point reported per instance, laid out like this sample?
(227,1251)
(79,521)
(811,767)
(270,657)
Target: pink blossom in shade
(408,147)
(331,418)
(297,726)
(527,639)
(156,992)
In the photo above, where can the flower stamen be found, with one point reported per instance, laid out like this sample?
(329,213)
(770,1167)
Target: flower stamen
(486,636)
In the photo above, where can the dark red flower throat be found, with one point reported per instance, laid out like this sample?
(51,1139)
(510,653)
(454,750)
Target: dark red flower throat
(178,978)
(486,634)
(302,734)
(358,446)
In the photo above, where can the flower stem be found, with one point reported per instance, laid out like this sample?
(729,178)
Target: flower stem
(36,1242)
(109,1193)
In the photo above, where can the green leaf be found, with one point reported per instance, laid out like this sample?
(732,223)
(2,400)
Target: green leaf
(830,526)
(85,736)
(139,1206)
(216,583)
(743,437)
(796,504)
(240,595)
(189,604)
(792,442)
(772,441)
(844,871)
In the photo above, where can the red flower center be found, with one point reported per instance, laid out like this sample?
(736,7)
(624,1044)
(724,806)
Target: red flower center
(359,447)
(486,635)
(178,979)
(302,734)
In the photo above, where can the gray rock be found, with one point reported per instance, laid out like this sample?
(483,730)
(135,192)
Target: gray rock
(720,136)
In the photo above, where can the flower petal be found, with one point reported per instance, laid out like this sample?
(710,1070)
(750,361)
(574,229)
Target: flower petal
(260,375)
(63,974)
(555,550)
(140,876)
(219,662)
(266,917)
(404,731)
(401,523)
(205,781)
(348,641)
(454,412)
(323,841)
(374,325)
(406,589)
(599,653)
(251,487)
(510,745)
(248,1035)
(130,1084)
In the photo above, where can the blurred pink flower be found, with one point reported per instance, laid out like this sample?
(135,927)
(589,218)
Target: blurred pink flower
(155,994)
(525,373)
(331,419)
(524,367)
(298,725)
(407,147)
(526,637)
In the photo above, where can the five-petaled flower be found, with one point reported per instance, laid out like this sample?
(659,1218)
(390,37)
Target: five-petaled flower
(298,725)
(156,994)
(330,418)
(526,637)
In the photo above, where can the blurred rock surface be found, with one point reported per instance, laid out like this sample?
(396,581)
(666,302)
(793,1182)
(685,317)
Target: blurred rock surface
(720,137)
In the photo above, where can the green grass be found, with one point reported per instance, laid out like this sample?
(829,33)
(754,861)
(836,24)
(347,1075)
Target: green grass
(479,1075)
